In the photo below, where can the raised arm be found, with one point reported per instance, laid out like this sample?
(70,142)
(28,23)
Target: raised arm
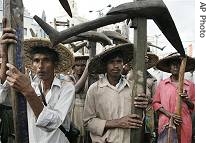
(22,83)
(81,82)
(8,37)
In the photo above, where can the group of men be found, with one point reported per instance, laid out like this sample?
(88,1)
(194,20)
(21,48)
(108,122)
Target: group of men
(102,111)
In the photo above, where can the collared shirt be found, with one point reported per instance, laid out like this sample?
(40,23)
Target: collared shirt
(44,129)
(107,102)
(166,97)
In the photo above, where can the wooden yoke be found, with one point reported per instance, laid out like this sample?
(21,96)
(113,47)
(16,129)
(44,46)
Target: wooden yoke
(180,91)
(13,11)
(140,42)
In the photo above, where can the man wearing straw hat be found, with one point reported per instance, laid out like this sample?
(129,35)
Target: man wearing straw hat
(79,67)
(165,98)
(50,99)
(79,78)
(107,111)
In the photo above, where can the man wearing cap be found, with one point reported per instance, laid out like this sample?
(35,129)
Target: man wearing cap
(43,121)
(107,111)
(165,98)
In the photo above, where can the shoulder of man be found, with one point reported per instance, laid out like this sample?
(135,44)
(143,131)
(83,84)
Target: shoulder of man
(66,83)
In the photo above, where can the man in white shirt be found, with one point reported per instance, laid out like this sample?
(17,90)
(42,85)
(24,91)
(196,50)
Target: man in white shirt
(43,121)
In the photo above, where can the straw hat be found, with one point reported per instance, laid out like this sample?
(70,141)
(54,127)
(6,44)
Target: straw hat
(80,59)
(97,64)
(152,60)
(66,57)
(164,64)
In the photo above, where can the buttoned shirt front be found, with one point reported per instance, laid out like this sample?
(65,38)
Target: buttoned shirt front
(107,102)
(166,97)
(44,129)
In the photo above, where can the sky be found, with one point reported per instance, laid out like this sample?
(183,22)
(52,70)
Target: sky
(182,12)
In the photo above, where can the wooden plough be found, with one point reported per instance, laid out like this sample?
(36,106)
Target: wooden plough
(13,11)
(92,36)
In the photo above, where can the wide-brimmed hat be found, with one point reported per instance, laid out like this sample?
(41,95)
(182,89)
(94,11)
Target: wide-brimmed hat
(80,59)
(66,56)
(152,60)
(164,63)
(97,64)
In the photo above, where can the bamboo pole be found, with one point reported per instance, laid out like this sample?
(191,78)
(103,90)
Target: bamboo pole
(180,91)
(170,131)
(13,11)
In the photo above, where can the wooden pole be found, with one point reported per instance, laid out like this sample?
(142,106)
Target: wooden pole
(180,90)
(140,41)
(13,11)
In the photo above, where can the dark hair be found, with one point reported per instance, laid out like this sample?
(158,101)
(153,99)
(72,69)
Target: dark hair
(51,53)
(112,56)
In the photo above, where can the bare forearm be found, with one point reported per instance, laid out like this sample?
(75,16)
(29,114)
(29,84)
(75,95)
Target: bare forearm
(177,119)
(6,39)
(111,124)
(126,122)
(165,112)
(81,82)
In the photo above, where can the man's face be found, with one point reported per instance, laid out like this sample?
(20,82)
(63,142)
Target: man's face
(174,68)
(79,68)
(114,66)
(43,66)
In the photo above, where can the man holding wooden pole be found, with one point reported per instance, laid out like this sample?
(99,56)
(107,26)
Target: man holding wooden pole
(7,133)
(14,11)
(166,99)
(107,111)
(43,121)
